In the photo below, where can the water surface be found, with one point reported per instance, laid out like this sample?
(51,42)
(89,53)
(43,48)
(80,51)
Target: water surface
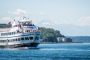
(49,52)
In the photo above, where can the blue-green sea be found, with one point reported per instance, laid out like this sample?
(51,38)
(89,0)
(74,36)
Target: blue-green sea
(63,51)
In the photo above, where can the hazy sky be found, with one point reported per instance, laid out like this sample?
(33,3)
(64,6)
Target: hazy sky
(75,12)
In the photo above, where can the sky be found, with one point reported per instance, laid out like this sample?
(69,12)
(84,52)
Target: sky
(75,12)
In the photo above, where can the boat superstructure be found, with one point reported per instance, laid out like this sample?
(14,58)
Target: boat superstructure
(23,34)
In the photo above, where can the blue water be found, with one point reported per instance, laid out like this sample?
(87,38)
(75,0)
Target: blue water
(49,52)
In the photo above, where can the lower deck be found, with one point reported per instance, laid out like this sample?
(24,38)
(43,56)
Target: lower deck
(24,39)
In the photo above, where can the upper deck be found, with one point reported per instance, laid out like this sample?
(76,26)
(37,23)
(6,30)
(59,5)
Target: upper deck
(23,26)
(26,22)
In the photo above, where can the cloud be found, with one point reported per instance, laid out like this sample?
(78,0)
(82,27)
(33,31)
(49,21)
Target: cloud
(18,12)
(8,19)
(5,19)
(42,13)
(84,21)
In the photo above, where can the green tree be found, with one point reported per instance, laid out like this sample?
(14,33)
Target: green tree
(49,34)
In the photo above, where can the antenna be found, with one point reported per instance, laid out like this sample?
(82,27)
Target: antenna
(14,19)
(23,17)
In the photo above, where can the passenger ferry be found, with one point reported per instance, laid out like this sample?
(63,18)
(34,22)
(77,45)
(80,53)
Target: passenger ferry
(23,34)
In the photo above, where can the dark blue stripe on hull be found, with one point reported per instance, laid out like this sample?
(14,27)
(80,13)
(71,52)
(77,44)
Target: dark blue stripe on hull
(20,45)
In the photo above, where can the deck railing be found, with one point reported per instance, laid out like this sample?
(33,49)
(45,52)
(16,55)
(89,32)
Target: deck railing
(29,31)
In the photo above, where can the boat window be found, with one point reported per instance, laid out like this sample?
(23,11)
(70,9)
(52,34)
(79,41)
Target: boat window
(5,41)
(38,34)
(12,33)
(31,34)
(18,39)
(26,38)
(28,30)
(1,41)
(36,38)
(22,38)
(31,38)
(2,34)
(17,31)
(9,33)
(5,33)
(11,40)
(8,41)
(14,39)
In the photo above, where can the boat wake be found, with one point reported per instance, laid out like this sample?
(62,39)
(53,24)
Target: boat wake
(22,48)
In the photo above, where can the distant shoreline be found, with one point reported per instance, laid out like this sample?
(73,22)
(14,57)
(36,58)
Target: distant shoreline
(57,43)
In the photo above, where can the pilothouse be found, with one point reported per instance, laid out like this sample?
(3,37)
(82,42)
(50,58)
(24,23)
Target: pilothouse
(23,34)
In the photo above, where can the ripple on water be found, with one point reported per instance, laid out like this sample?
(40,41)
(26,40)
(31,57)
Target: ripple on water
(48,52)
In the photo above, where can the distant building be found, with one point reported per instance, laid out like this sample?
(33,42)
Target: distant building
(69,40)
(63,40)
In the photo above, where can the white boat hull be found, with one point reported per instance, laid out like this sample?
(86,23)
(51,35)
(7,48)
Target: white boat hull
(24,43)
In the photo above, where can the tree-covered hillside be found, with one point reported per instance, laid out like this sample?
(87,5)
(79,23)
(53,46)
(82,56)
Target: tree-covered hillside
(4,26)
(49,34)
